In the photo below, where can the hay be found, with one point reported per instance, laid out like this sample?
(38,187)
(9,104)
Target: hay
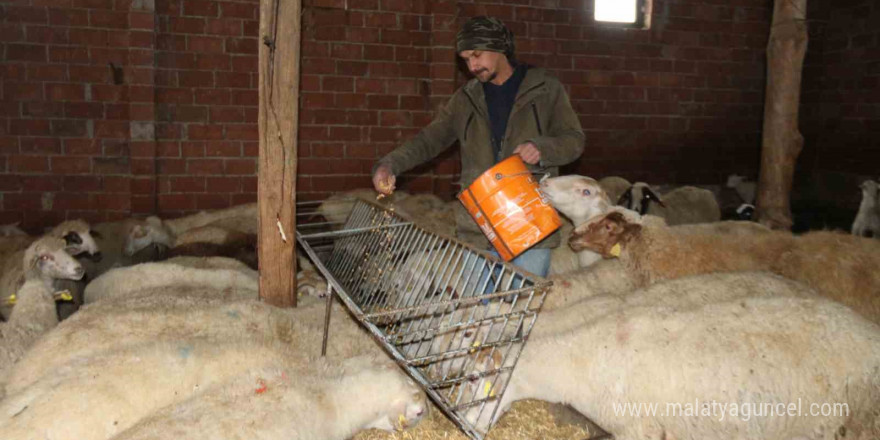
(527,419)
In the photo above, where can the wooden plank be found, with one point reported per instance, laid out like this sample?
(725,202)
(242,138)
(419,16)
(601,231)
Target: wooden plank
(781,140)
(279,95)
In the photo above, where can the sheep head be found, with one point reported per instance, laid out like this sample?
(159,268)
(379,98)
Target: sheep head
(606,235)
(48,258)
(639,197)
(577,197)
(145,233)
(78,237)
(408,406)
(870,190)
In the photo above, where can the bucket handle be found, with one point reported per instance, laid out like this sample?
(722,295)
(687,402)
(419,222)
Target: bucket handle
(499,176)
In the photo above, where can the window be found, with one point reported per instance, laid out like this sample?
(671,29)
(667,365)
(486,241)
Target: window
(630,13)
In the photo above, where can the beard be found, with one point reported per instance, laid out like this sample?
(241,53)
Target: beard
(490,77)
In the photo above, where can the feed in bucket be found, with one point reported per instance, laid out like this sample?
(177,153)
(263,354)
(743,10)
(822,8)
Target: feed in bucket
(509,208)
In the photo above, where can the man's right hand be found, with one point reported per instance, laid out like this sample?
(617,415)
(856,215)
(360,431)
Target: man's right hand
(384,180)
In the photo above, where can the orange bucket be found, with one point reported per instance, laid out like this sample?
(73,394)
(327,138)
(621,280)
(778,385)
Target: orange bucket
(509,208)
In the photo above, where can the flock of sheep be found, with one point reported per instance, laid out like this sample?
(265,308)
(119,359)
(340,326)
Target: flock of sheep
(656,301)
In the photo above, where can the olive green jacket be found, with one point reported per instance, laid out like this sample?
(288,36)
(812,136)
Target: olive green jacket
(541,114)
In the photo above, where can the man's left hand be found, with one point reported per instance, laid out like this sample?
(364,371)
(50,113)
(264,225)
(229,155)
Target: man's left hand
(528,152)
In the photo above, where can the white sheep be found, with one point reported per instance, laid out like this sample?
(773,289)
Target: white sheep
(578,198)
(320,401)
(683,205)
(45,261)
(172,313)
(104,394)
(680,348)
(309,281)
(745,189)
(153,230)
(839,266)
(241,282)
(78,240)
(336,208)
(867,221)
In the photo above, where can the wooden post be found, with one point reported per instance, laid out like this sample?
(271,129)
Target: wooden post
(279,98)
(782,141)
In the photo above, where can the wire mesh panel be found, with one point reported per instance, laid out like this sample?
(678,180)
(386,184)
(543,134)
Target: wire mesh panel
(455,318)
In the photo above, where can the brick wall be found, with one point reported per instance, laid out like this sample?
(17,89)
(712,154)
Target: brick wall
(841,100)
(170,127)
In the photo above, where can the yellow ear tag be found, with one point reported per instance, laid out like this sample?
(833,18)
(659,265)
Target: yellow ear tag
(474,345)
(615,250)
(11,300)
(488,389)
(401,421)
(64,295)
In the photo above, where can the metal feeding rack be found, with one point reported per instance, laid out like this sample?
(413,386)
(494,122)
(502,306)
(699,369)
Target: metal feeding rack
(455,318)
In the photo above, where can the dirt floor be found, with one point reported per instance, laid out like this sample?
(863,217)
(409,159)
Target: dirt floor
(527,419)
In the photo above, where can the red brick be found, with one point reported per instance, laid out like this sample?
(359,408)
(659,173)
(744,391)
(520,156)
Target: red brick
(48,35)
(31,127)
(86,147)
(212,61)
(186,184)
(205,132)
(250,149)
(192,149)
(176,202)
(68,17)
(204,166)
(196,78)
(212,97)
(43,109)
(239,10)
(68,127)
(243,63)
(233,80)
(169,95)
(223,184)
(108,19)
(224,26)
(84,110)
(245,97)
(22,202)
(119,57)
(201,44)
(26,52)
(71,165)
(347,51)
(141,20)
(242,131)
(241,166)
(241,45)
(201,8)
(226,114)
(223,149)
(115,184)
(382,102)
(112,129)
(24,14)
(112,165)
(81,183)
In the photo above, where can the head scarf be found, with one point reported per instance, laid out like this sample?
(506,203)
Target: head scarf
(485,33)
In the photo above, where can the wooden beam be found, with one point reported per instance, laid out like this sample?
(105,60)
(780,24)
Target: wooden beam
(279,97)
(782,141)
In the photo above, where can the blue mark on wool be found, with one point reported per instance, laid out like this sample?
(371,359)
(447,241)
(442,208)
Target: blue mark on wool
(233,314)
(185,351)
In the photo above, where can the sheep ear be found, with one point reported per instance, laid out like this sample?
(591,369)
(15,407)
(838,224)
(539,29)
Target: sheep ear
(651,195)
(154,221)
(138,231)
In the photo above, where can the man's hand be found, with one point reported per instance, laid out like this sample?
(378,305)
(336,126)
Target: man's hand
(384,180)
(528,152)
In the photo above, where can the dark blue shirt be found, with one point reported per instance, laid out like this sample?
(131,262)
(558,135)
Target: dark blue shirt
(499,101)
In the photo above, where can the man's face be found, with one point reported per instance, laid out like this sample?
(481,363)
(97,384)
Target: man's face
(483,64)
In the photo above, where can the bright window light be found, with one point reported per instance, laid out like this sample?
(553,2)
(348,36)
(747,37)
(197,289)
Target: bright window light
(617,11)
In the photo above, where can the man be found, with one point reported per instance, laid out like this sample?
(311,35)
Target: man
(508,108)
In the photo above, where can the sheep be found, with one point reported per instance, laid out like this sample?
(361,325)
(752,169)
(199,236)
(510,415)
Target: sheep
(745,189)
(12,230)
(45,260)
(153,230)
(336,208)
(211,241)
(839,266)
(274,405)
(614,186)
(126,385)
(687,204)
(309,281)
(747,350)
(240,283)
(78,240)
(578,198)
(171,314)
(867,221)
